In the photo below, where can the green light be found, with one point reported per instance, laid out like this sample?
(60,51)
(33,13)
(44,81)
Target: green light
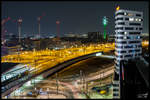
(105,23)
(104,34)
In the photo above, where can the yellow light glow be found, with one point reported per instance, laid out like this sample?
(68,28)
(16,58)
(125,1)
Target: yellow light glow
(43,61)
(102,92)
(117,8)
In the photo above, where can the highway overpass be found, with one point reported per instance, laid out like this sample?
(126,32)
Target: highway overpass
(51,71)
(63,65)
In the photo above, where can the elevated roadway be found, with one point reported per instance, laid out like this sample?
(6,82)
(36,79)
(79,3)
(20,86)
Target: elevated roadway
(47,62)
(50,71)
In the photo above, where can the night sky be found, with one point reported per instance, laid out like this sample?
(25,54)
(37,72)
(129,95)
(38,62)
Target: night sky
(76,17)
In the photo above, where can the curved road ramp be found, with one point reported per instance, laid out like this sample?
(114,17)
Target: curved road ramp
(55,69)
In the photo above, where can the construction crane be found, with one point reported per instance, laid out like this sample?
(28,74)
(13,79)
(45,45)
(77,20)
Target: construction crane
(3,31)
(3,28)
(5,20)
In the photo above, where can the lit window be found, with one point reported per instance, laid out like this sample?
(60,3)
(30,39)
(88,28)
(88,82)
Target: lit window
(125,33)
(131,19)
(130,14)
(136,19)
(125,13)
(125,37)
(138,37)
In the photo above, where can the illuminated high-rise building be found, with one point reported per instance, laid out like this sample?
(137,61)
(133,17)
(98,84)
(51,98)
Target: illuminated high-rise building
(128,28)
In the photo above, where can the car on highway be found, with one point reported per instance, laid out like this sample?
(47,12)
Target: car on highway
(102,92)
(43,93)
(103,89)
(32,94)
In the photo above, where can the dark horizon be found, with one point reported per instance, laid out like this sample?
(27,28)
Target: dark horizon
(76,16)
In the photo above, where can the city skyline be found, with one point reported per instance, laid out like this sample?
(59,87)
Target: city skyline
(74,50)
(76,17)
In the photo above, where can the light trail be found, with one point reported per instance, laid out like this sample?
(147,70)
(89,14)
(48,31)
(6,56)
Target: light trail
(44,59)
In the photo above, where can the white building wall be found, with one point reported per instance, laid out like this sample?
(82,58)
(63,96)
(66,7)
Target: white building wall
(128,29)
(128,19)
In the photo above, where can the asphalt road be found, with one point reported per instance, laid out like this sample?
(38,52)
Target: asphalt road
(87,66)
